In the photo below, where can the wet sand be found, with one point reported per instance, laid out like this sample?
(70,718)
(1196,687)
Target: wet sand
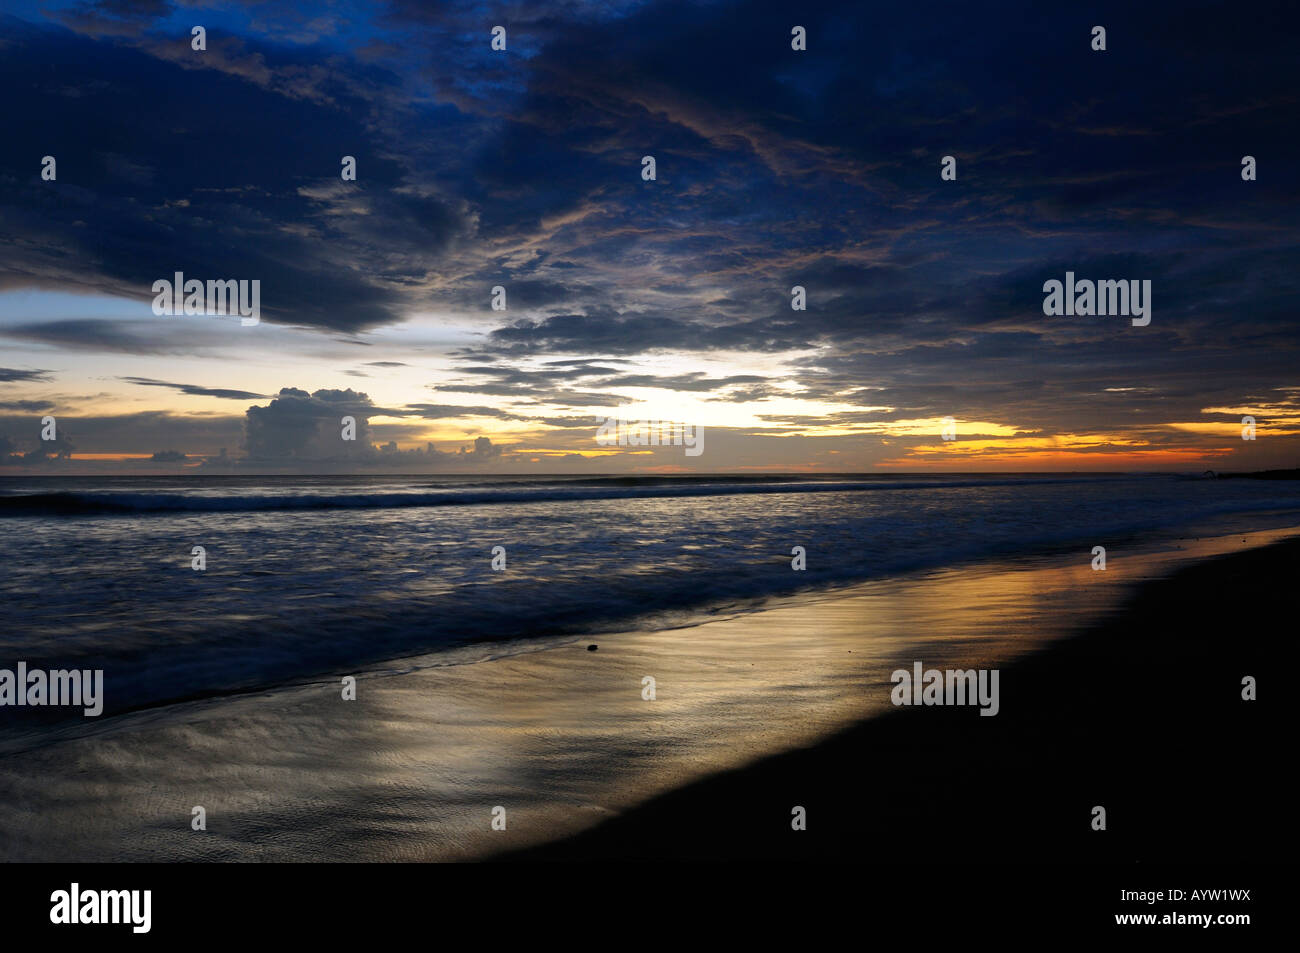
(563,739)
(1141,714)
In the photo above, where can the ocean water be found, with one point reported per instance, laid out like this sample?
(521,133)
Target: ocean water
(309,576)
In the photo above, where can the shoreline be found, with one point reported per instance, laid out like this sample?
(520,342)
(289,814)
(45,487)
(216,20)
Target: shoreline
(1141,713)
(562,737)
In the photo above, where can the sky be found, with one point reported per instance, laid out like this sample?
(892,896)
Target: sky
(663,299)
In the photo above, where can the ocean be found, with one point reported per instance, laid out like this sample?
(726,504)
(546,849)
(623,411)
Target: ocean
(309,576)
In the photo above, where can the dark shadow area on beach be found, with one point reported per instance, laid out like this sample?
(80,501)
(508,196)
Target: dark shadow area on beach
(1142,714)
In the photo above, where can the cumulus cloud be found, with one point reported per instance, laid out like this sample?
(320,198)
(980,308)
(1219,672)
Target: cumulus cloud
(297,425)
(303,429)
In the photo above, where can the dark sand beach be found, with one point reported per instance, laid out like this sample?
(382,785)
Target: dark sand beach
(1141,713)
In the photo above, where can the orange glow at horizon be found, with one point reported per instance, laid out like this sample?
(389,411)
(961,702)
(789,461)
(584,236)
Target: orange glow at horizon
(1062,459)
(111,456)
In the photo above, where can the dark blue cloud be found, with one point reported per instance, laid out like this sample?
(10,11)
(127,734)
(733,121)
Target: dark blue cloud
(775,168)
